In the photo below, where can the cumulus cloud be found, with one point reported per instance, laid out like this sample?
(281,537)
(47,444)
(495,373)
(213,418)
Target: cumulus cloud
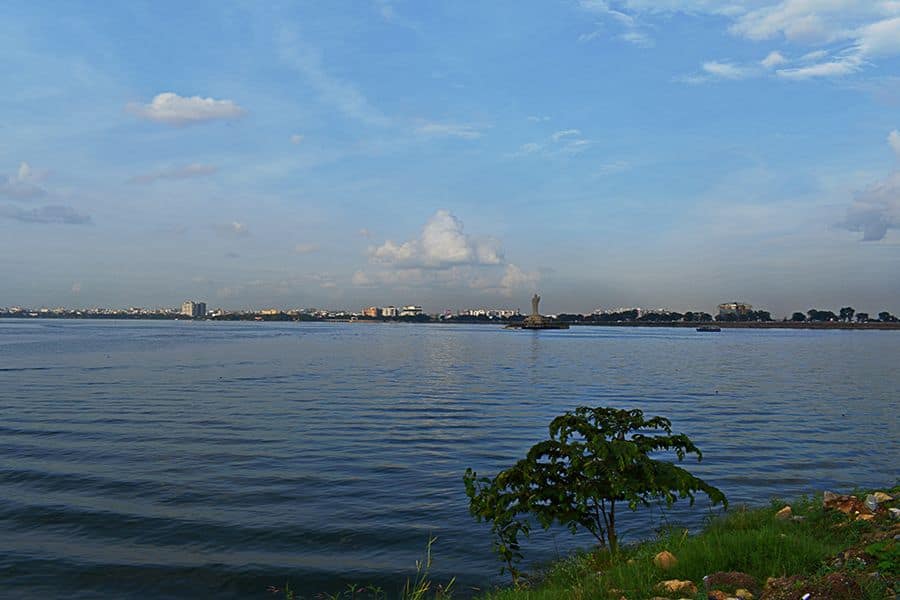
(233,229)
(773,59)
(877,209)
(464,132)
(515,278)
(23,184)
(172,109)
(444,256)
(58,214)
(894,141)
(442,244)
(182,172)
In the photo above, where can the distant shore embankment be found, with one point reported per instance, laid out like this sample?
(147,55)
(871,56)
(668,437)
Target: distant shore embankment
(750,325)
(282,318)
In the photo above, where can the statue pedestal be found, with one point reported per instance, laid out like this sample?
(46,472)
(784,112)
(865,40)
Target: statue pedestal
(539,322)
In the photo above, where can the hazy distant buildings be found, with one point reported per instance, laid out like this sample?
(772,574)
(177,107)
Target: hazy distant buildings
(391,312)
(190,308)
(734,309)
(490,313)
(410,311)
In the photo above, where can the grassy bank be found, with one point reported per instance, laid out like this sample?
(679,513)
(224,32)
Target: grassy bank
(814,550)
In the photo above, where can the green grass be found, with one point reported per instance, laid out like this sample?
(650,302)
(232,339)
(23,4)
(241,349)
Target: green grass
(745,540)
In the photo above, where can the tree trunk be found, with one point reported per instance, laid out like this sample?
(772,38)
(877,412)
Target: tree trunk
(611,533)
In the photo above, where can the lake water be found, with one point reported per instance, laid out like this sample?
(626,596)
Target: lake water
(186,460)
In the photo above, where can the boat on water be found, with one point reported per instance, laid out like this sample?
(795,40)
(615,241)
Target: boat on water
(709,329)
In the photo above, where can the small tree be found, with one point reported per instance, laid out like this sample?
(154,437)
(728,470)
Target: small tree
(847,313)
(595,460)
(798,317)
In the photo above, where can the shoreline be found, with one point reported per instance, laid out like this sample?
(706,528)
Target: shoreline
(836,546)
(870,326)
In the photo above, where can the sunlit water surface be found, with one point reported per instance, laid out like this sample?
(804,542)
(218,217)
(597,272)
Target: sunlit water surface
(185,460)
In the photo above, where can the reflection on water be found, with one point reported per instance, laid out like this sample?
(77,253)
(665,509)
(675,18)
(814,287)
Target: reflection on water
(182,459)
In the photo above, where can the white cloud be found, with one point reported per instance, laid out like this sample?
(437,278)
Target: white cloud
(881,38)
(305,248)
(182,172)
(565,142)
(846,35)
(638,38)
(565,133)
(23,184)
(814,56)
(233,229)
(443,256)
(877,209)
(894,141)
(593,35)
(441,245)
(172,109)
(843,65)
(465,132)
(515,278)
(537,119)
(296,138)
(334,92)
(361,279)
(774,59)
(725,70)
(633,33)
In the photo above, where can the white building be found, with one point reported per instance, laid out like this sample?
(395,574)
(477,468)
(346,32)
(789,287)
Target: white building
(389,311)
(410,311)
(189,308)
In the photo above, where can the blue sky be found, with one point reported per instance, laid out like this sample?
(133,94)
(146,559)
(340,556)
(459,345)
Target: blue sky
(605,153)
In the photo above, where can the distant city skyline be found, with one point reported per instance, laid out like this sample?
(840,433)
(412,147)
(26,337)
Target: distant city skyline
(352,154)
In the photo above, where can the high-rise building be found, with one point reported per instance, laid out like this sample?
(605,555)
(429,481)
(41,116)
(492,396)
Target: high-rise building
(735,309)
(372,311)
(189,308)
(389,311)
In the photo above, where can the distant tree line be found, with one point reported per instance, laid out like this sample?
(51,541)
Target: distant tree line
(633,316)
(761,316)
(845,315)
